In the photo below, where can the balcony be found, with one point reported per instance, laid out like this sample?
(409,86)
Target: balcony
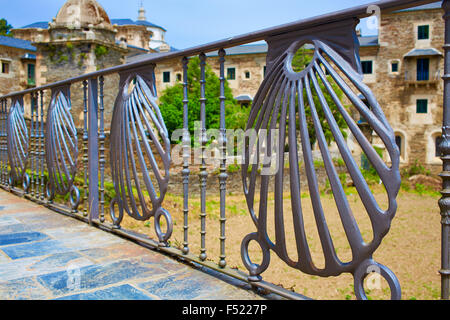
(429,81)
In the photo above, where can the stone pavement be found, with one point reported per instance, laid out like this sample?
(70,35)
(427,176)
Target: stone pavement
(45,255)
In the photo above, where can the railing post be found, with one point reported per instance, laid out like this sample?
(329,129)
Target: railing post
(444,202)
(186,155)
(93,149)
(203,170)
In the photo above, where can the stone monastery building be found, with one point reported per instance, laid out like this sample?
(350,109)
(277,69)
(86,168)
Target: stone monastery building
(403,64)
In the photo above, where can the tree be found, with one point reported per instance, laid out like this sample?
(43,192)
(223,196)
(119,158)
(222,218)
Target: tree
(171,102)
(300,61)
(5,28)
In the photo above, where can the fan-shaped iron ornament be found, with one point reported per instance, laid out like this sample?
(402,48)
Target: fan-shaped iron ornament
(139,138)
(281,104)
(18,143)
(61,146)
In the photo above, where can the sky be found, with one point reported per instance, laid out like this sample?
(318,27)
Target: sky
(192,22)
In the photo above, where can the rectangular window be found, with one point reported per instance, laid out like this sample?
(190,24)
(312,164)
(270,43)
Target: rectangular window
(5,67)
(31,74)
(166,77)
(423,32)
(423,69)
(265,71)
(247,75)
(231,73)
(367,67)
(422,106)
(394,67)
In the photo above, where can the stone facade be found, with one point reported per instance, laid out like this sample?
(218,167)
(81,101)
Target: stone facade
(408,41)
(399,92)
(14,69)
(80,39)
(397,88)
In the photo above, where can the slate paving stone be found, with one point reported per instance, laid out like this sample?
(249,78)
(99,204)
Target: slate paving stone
(23,237)
(71,231)
(96,276)
(187,286)
(170,265)
(14,228)
(3,258)
(19,209)
(117,252)
(23,289)
(45,222)
(35,266)
(7,221)
(95,240)
(123,292)
(45,255)
(35,249)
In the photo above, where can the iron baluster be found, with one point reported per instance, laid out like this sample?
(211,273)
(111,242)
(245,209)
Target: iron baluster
(186,155)
(203,140)
(444,202)
(32,144)
(85,149)
(2,141)
(2,107)
(41,148)
(93,149)
(5,144)
(102,160)
(223,165)
(36,147)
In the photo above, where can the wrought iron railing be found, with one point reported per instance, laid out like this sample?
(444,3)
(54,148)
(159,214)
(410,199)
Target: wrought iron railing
(45,158)
(423,77)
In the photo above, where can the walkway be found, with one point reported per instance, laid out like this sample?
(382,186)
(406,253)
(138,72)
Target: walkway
(45,255)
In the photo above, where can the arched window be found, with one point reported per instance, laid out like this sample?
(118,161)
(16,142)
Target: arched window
(400,141)
(437,144)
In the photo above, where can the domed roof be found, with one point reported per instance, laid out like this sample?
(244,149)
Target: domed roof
(82,13)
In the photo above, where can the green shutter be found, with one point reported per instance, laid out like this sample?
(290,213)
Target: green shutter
(422,106)
(424,32)
(231,73)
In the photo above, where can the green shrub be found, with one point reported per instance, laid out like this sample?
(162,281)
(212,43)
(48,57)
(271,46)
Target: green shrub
(100,51)
(416,169)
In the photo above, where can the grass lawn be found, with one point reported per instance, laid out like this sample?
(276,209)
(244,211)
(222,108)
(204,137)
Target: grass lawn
(411,249)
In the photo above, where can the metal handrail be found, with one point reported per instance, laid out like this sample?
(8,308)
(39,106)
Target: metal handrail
(329,61)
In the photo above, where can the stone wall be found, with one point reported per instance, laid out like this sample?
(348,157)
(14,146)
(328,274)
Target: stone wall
(397,97)
(16,79)
(66,60)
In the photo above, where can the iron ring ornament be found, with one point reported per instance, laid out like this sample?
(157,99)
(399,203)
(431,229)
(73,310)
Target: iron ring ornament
(18,143)
(61,146)
(281,104)
(140,144)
